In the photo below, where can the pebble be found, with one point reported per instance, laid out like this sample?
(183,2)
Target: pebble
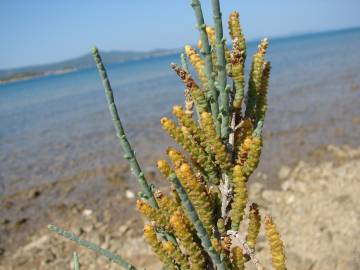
(129,194)
(284,172)
(87,212)
(34,193)
(88,228)
(38,243)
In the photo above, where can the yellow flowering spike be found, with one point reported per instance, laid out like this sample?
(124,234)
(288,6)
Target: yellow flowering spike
(202,158)
(156,215)
(253,157)
(186,121)
(238,259)
(157,247)
(244,150)
(243,132)
(197,194)
(254,226)
(175,156)
(240,197)
(217,245)
(221,226)
(261,105)
(187,240)
(165,203)
(177,255)
(237,61)
(192,129)
(198,95)
(197,63)
(235,30)
(249,154)
(214,142)
(222,248)
(164,168)
(255,77)
(276,245)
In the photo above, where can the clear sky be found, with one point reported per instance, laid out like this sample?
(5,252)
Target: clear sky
(43,31)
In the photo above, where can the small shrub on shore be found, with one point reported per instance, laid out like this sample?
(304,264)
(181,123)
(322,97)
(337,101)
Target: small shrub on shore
(219,133)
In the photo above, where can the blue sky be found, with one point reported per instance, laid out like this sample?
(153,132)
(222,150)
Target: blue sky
(44,31)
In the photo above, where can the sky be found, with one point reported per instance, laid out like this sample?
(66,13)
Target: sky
(43,31)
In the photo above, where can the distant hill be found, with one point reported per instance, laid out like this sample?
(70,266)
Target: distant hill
(86,60)
(80,62)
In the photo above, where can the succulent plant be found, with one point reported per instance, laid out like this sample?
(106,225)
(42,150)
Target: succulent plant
(219,129)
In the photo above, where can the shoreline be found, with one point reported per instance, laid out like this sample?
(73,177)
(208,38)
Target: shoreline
(41,75)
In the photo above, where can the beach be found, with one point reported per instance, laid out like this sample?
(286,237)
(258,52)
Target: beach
(61,162)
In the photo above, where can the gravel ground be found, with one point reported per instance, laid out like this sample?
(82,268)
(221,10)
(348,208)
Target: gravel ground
(317,211)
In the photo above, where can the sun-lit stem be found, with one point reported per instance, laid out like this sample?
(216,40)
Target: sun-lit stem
(206,51)
(221,71)
(120,132)
(89,245)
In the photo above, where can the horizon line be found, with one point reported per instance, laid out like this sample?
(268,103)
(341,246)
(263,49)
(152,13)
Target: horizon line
(277,37)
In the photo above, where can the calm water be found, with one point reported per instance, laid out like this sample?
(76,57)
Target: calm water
(59,125)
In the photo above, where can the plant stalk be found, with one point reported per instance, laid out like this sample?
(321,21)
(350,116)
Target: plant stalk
(120,133)
(194,218)
(108,254)
(221,76)
(209,70)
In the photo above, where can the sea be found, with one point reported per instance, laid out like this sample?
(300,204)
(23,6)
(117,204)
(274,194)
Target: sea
(57,126)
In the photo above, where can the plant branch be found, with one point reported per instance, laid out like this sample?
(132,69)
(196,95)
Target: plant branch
(184,64)
(194,218)
(108,254)
(225,190)
(239,241)
(221,67)
(120,133)
(76,261)
(208,64)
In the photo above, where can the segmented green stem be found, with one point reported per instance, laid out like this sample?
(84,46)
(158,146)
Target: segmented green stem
(206,50)
(120,133)
(184,64)
(194,217)
(221,67)
(76,261)
(108,254)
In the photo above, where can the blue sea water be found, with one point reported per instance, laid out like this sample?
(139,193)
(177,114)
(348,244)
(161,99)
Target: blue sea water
(55,126)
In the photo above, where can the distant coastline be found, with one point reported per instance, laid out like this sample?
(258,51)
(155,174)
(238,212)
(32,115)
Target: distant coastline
(113,57)
(23,76)
(82,62)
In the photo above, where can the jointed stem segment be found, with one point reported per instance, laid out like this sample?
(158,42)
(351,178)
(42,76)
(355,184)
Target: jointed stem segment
(120,132)
(112,257)
(206,50)
(221,69)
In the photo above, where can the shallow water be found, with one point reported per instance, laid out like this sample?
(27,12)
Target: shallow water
(57,126)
